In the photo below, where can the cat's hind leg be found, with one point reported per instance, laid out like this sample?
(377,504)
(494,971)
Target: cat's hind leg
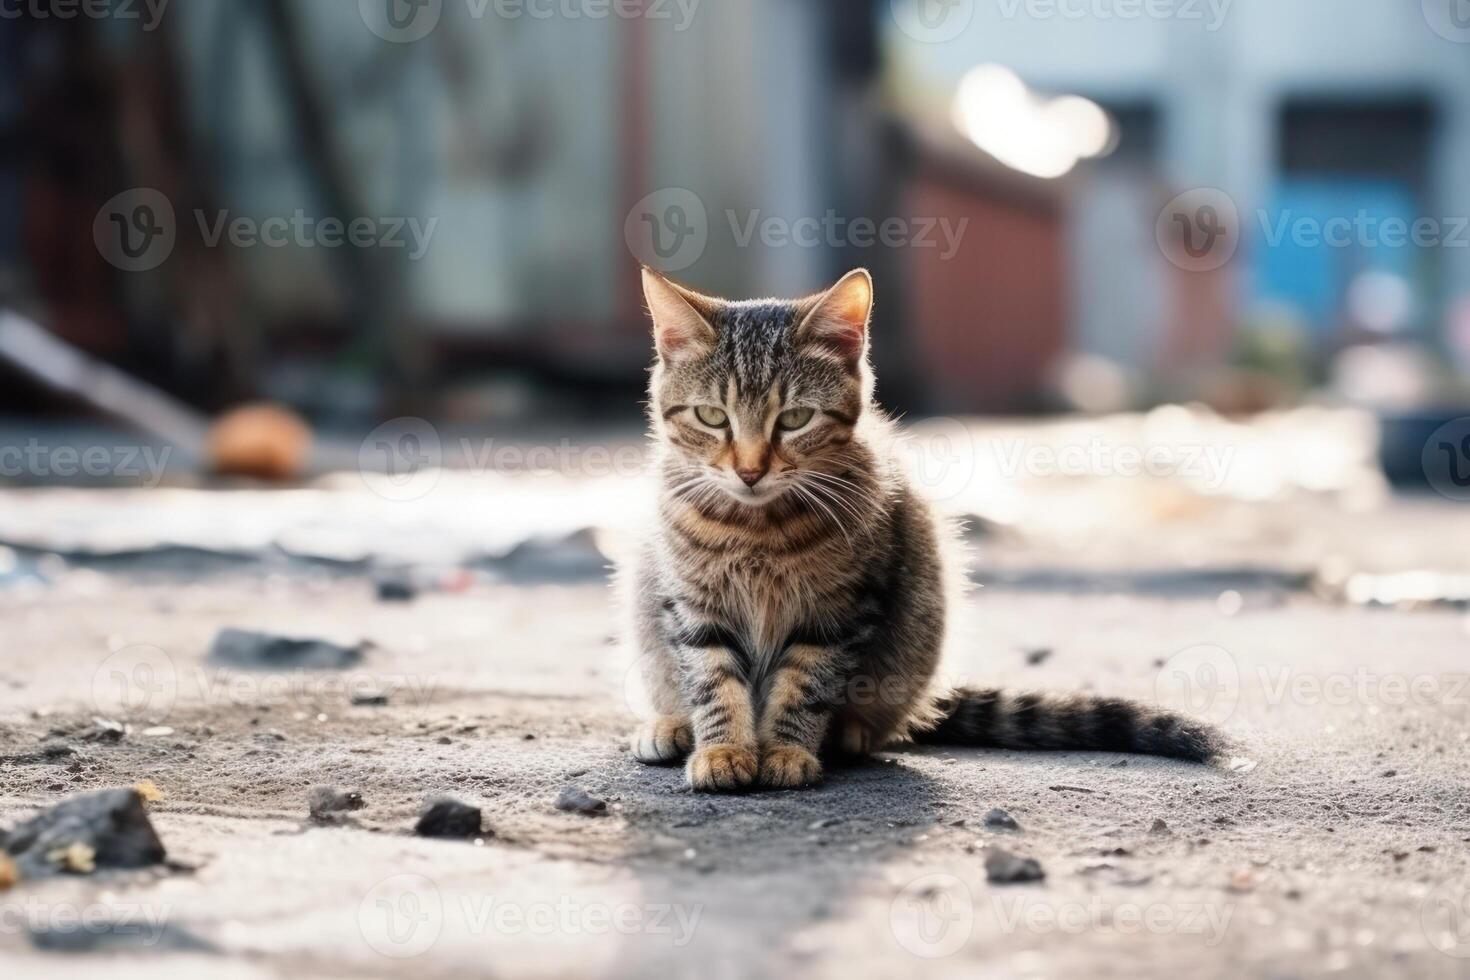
(663,740)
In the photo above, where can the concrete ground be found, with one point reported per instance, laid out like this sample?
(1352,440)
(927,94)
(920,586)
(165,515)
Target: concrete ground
(1336,842)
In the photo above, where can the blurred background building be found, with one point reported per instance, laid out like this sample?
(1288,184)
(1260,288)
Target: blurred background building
(538,147)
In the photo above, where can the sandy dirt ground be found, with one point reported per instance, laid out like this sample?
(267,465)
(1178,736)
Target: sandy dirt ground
(1338,843)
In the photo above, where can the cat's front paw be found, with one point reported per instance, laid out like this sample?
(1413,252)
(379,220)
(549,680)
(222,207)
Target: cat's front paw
(663,740)
(721,768)
(789,766)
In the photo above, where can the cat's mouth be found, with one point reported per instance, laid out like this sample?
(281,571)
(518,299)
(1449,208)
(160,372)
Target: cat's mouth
(759,495)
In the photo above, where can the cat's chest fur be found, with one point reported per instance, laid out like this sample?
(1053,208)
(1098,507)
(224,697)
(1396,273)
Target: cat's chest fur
(764,598)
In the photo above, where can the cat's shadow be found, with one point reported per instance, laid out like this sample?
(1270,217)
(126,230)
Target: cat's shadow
(760,867)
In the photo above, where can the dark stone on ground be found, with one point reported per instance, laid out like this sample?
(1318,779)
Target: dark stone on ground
(328,803)
(999,819)
(445,816)
(574,799)
(119,936)
(575,557)
(395,588)
(249,650)
(1004,868)
(105,730)
(112,822)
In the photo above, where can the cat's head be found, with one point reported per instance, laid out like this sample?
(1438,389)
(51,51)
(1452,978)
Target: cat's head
(758,398)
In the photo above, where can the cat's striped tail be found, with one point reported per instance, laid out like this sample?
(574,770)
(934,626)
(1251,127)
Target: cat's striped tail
(997,719)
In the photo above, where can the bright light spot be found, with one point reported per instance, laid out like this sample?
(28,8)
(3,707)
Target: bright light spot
(1043,137)
(1391,375)
(1381,301)
(1088,124)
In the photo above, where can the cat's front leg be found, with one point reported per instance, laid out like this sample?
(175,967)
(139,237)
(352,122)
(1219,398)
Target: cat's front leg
(797,712)
(723,713)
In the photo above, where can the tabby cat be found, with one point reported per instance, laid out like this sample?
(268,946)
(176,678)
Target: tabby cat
(790,601)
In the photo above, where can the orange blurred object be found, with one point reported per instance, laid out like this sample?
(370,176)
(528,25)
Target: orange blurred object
(264,441)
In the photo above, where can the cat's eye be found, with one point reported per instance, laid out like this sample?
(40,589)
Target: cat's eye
(795,418)
(711,416)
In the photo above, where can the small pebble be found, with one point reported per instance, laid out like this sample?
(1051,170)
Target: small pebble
(1004,868)
(446,817)
(327,803)
(395,588)
(574,799)
(999,819)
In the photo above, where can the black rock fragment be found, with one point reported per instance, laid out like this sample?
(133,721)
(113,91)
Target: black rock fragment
(328,804)
(112,824)
(395,587)
(447,817)
(999,819)
(250,650)
(119,936)
(1004,868)
(574,799)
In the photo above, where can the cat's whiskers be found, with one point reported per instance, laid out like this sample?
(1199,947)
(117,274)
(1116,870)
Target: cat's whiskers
(806,494)
(835,497)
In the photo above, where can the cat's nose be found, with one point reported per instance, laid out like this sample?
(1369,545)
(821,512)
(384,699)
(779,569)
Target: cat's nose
(751,477)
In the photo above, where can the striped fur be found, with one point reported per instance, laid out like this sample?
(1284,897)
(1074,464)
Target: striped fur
(800,609)
(995,718)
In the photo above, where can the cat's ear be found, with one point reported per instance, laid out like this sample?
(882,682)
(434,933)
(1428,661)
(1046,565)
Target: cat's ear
(681,323)
(838,319)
